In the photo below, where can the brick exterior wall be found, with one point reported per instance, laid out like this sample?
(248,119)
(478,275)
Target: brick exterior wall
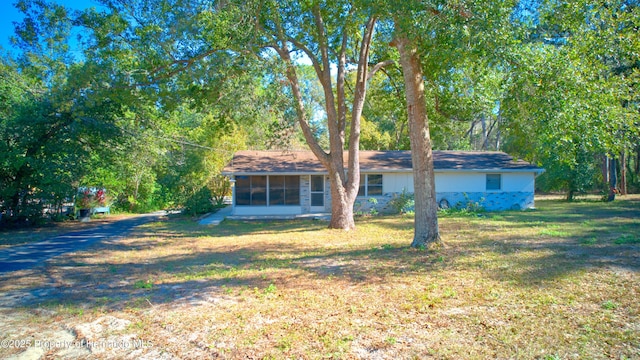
(305,194)
(490,201)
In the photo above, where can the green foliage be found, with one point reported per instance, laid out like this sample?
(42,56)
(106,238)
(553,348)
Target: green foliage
(373,203)
(220,188)
(463,49)
(570,100)
(200,202)
(470,206)
(142,284)
(609,305)
(46,137)
(627,239)
(384,121)
(403,203)
(165,92)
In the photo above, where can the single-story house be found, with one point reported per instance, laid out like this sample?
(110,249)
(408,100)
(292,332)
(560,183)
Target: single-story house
(277,183)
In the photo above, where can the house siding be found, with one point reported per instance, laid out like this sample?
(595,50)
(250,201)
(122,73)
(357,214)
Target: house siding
(460,190)
(456,189)
(397,182)
(327,194)
(518,182)
(460,179)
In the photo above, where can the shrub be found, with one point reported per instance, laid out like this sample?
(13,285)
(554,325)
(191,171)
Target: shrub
(200,202)
(402,203)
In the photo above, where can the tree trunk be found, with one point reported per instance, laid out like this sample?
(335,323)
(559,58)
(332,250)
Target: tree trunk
(638,160)
(485,135)
(399,134)
(15,204)
(604,161)
(498,133)
(613,180)
(471,142)
(426,232)
(623,173)
(341,205)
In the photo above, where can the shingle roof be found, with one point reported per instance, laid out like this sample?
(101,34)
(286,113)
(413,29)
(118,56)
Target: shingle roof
(304,162)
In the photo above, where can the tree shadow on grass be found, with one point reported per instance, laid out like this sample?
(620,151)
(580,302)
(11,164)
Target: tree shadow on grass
(570,212)
(78,280)
(188,228)
(558,239)
(189,275)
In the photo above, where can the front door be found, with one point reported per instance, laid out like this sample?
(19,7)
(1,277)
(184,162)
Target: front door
(317,193)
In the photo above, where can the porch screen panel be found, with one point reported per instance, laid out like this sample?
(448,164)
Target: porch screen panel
(292,190)
(276,190)
(243,190)
(258,190)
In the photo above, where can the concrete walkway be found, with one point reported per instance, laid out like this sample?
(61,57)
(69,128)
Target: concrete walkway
(27,256)
(312,216)
(217,217)
(225,213)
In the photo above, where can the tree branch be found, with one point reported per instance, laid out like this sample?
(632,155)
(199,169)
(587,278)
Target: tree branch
(295,89)
(342,106)
(358,104)
(336,143)
(314,60)
(184,64)
(379,66)
(322,44)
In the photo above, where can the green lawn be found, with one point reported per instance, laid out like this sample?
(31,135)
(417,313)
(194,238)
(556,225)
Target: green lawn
(559,282)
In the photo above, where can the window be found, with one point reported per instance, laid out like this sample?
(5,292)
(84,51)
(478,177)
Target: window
(317,190)
(370,185)
(374,185)
(494,182)
(276,190)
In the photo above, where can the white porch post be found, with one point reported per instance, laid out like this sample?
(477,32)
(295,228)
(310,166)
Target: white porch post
(232,181)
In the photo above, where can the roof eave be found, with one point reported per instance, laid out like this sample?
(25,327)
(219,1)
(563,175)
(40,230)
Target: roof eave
(537,171)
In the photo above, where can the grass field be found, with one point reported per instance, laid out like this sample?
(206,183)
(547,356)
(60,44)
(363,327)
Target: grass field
(559,282)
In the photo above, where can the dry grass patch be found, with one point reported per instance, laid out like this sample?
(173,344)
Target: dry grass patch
(556,282)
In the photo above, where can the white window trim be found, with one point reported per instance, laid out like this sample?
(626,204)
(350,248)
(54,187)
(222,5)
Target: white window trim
(311,191)
(366,185)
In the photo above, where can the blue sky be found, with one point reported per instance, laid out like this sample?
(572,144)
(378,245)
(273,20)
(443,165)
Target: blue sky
(10,14)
